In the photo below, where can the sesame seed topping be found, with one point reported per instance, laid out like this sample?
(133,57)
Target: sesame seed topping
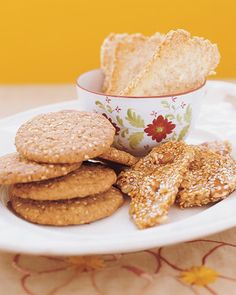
(211,177)
(153,184)
(64,137)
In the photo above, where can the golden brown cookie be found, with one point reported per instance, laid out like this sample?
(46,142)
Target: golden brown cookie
(87,180)
(69,212)
(118,156)
(64,137)
(16,169)
(211,177)
(153,182)
(221,147)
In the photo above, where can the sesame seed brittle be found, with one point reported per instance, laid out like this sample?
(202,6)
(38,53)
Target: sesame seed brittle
(221,147)
(153,182)
(211,178)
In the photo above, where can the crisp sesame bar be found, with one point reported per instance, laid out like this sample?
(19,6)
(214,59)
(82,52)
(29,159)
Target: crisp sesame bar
(211,177)
(153,182)
(222,147)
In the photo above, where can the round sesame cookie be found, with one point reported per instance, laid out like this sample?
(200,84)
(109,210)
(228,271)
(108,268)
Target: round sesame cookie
(88,180)
(118,156)
(69,212)
(64,137)
(16,169)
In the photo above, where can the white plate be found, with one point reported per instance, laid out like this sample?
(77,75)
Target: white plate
(117,233)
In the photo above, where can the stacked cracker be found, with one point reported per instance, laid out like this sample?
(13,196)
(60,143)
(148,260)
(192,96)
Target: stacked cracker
(50,183)
(177,172)
(136,65)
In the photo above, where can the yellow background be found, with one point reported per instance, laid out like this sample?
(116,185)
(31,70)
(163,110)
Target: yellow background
(54,41)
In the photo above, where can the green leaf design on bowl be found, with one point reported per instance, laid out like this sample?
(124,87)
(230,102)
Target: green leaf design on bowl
(100,105)
(170,117)
(134,119)
(120,121)
(188,114)
(183,132)
(109,109)
(135,139)
(124,132)
(179,118)
(165,104)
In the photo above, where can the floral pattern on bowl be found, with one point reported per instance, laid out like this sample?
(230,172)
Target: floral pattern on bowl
(159,128)
(141,122)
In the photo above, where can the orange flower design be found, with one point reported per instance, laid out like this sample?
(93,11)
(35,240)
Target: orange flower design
(199,276)
(159,128)
(163,264)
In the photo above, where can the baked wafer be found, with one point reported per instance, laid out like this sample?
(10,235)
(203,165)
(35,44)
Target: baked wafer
(64,137)
(68,212)
(16,169)
(181,63)
(130,56)
(118,156)
(211,177)
(107,56)
(90,179)
(153,182)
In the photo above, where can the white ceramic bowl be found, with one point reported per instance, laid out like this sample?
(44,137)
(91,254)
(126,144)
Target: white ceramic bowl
(141,122)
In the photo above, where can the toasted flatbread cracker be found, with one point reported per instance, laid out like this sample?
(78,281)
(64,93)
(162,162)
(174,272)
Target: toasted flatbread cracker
(180,63)
(107,54)
(153,182)
(131,55)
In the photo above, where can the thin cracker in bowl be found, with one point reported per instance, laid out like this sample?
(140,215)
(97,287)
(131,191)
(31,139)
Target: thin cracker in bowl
(181,63)
(130,56)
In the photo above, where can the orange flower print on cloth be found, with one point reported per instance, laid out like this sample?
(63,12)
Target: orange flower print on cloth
(86,263)
(160,128)
(199,276)
(199,271)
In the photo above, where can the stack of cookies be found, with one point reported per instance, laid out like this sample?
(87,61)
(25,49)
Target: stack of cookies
(62,173)
(82,196)
(51,180)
